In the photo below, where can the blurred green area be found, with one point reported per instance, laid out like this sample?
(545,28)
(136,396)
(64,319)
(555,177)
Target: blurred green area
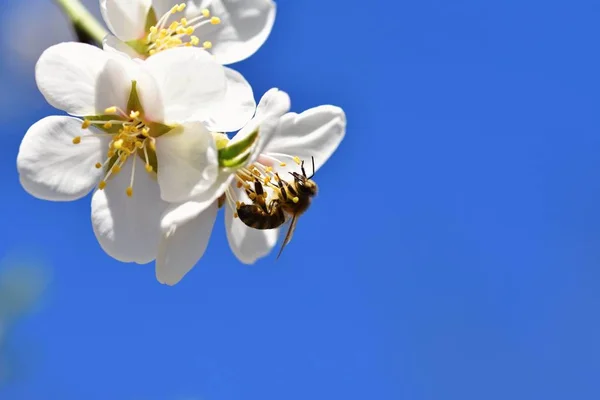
(21,286)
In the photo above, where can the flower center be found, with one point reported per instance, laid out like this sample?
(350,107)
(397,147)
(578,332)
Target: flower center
(178,33)
(130,134)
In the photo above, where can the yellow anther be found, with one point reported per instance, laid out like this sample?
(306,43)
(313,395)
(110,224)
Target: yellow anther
(183,22)
(152,52)
(149,168)
(295,199)
(239,185)
(189,30)
(269,169)
(163,33)
(107,125)
(102,185)
(282,164)
(267,180)
(129,191)
(152,146)
(238,204)
(174,25)
(297,160)
(215,20)
(134,114)
(110,110)
(207,45)
(145,131)
(235,215)
(118,144)
(174,9)
(116,169)
(153,29)
(139,145)
(111,153)
(85,124)
(206,13)
(98,165)
(77,140)
(252,196)
(181,7)
(194,40)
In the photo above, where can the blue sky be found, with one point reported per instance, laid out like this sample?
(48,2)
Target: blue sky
(453,251)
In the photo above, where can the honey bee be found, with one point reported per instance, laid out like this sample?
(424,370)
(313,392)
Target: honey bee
(291,200)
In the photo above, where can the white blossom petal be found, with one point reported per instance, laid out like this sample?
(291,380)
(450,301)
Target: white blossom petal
(245,26)
(51,167)
(316,133)
(272,106)
(237,108)
(112,87)
(128,228)
(126,18)
(246,243)
(179,214)
(164,6)
(182,248)
(66,75)
(113,44)
(188,162)
(191,83)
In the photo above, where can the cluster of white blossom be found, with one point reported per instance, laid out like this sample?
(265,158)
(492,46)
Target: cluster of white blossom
(147,131)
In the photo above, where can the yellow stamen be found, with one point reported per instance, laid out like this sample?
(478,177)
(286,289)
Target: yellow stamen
(77,140)
(110,110)
(206,13)
(85,124)
(295,199)
(107,125)
(98,165)
(207,45)
(102,185)
(129,191)
(215,20)
(297,160)
(149,168)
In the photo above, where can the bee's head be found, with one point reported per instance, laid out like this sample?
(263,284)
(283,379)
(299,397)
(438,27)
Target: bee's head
(306,186)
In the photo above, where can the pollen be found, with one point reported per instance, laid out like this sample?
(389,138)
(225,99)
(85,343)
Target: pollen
(235,215)
(129,191)
(207,45)
(102,185)
(295,199)
(111,110)
(282,164)
(107,125)
(134,115)
(77,140)
(148,168)
(215,20)
(116,169)
(206,13)
(98,165)
(239,185)
(85,124)
(118,144)
(297,160)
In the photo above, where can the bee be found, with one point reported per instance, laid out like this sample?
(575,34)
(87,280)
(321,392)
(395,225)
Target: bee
(291,200)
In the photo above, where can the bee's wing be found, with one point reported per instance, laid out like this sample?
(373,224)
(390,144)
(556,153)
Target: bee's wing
(290,232)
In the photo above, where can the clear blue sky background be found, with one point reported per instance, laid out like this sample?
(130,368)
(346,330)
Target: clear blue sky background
(453,252)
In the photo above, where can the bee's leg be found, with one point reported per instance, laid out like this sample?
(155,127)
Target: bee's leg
(282,187)
(258,188)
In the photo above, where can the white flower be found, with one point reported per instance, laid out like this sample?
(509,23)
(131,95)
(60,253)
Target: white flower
(140,126)
(232,29)
(282,142)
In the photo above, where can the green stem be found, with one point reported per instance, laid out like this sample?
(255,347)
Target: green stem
(83,20)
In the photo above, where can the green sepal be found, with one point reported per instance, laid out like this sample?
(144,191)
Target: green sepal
(231,154)
(151,19)
(113,129)
(235,162)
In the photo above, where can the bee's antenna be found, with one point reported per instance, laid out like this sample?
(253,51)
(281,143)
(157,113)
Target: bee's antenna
(313,165)
(302,168)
